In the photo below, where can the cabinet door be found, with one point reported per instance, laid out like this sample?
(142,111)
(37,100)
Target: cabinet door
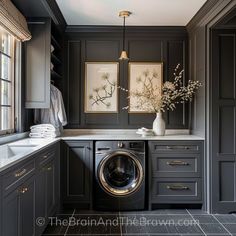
(38,57)
(40,199)
(47,187)
(18,210)
(49,171)
(77,171)
(11,218)
(27,208)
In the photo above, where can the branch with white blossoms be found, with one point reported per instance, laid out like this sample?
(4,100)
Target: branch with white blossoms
(102,94)
(153,99)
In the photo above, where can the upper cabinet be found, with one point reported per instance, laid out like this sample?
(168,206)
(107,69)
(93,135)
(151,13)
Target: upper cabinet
(43,61)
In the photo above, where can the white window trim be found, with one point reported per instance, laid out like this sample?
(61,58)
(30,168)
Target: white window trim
(12,55)
(18,87)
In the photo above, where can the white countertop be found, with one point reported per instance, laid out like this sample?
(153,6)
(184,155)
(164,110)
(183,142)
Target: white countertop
(116,134)
(34,145)
(31,146)
(129,137)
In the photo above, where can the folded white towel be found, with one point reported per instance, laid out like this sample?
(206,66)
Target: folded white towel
(43,131)
(43,135)
(36,135)
(43,127)
(52,135)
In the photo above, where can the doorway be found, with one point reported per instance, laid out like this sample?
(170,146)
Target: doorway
(223,115)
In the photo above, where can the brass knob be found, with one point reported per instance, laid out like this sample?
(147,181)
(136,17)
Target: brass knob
(18,174)
(23,190)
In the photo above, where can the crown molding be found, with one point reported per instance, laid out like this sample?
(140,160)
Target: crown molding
(118,29)
(55,13)
(204,12)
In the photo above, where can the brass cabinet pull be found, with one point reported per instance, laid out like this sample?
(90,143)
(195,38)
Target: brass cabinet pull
(47,168)
(178,147)
(20,173)
(177,187)
(177,163)
(23,190)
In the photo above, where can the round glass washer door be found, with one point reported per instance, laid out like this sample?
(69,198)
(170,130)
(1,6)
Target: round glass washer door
(120,173)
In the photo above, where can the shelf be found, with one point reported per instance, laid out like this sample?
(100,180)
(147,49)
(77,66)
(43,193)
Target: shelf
(55,43)
(55,75)
(55,60)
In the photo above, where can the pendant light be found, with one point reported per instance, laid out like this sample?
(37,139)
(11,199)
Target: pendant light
(124,14)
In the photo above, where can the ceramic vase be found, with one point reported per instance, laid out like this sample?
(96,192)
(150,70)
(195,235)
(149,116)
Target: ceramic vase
(159,126)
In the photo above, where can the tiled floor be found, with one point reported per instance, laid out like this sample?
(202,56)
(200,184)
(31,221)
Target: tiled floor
(158,222)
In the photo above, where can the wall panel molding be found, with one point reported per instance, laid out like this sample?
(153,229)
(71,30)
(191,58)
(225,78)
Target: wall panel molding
(144,44)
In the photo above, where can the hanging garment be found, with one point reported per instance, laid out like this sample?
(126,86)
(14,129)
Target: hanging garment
(56,114)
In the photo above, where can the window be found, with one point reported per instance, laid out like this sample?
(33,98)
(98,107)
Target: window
(7,48)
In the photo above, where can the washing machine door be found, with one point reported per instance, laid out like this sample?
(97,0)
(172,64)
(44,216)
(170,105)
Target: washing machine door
(120,173)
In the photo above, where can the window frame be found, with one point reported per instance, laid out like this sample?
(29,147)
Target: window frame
(11,80)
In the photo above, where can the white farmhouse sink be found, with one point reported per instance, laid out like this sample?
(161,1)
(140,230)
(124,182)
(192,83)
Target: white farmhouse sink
(9,151)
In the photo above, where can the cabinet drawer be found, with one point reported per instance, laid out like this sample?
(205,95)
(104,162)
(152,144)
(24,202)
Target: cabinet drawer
(46,155)
(17,174)
(174,147)
(173,165)
(169,190)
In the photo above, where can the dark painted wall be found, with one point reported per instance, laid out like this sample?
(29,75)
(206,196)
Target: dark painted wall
(144,44)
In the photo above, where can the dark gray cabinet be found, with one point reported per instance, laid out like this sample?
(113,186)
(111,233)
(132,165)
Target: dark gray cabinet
(38,54)
(47,184)
(29,190)
(175,172)
(18,210)
(43,60)
(77,172)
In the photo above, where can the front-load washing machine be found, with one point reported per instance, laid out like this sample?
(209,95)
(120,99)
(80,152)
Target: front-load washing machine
(119,175)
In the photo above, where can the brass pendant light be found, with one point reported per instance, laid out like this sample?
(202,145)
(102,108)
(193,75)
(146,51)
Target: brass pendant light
(124,14)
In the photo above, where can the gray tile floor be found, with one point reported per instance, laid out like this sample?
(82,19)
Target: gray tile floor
(158,222)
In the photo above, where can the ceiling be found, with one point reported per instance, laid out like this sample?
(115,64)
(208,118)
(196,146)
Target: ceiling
(144,13)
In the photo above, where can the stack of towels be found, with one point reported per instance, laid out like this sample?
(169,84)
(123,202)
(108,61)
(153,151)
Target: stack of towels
(43,131)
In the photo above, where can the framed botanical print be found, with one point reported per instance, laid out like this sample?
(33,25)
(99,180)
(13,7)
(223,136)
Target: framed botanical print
(143,77)
(101,95)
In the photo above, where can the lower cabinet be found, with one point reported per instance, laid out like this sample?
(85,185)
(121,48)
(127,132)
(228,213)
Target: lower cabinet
(77,173)
(18,210)
(175,172)
(47,186)
(30,190)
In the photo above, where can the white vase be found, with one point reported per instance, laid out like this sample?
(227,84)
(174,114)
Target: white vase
(159,126)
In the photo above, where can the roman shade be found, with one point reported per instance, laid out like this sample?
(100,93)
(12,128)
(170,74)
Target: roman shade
(13,21)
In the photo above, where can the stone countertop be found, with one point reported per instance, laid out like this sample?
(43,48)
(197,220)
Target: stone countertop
(31,146)
(129,137)
(113,134)
(34,145)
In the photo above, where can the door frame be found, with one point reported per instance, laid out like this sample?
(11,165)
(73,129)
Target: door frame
(209,98)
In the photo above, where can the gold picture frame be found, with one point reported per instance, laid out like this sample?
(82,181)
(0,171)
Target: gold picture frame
(137,70)
(101,92)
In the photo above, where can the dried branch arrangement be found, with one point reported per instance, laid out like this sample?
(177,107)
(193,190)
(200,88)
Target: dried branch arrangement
(153,99)
(102,94)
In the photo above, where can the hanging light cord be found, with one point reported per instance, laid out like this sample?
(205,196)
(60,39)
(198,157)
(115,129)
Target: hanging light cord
(124,35)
